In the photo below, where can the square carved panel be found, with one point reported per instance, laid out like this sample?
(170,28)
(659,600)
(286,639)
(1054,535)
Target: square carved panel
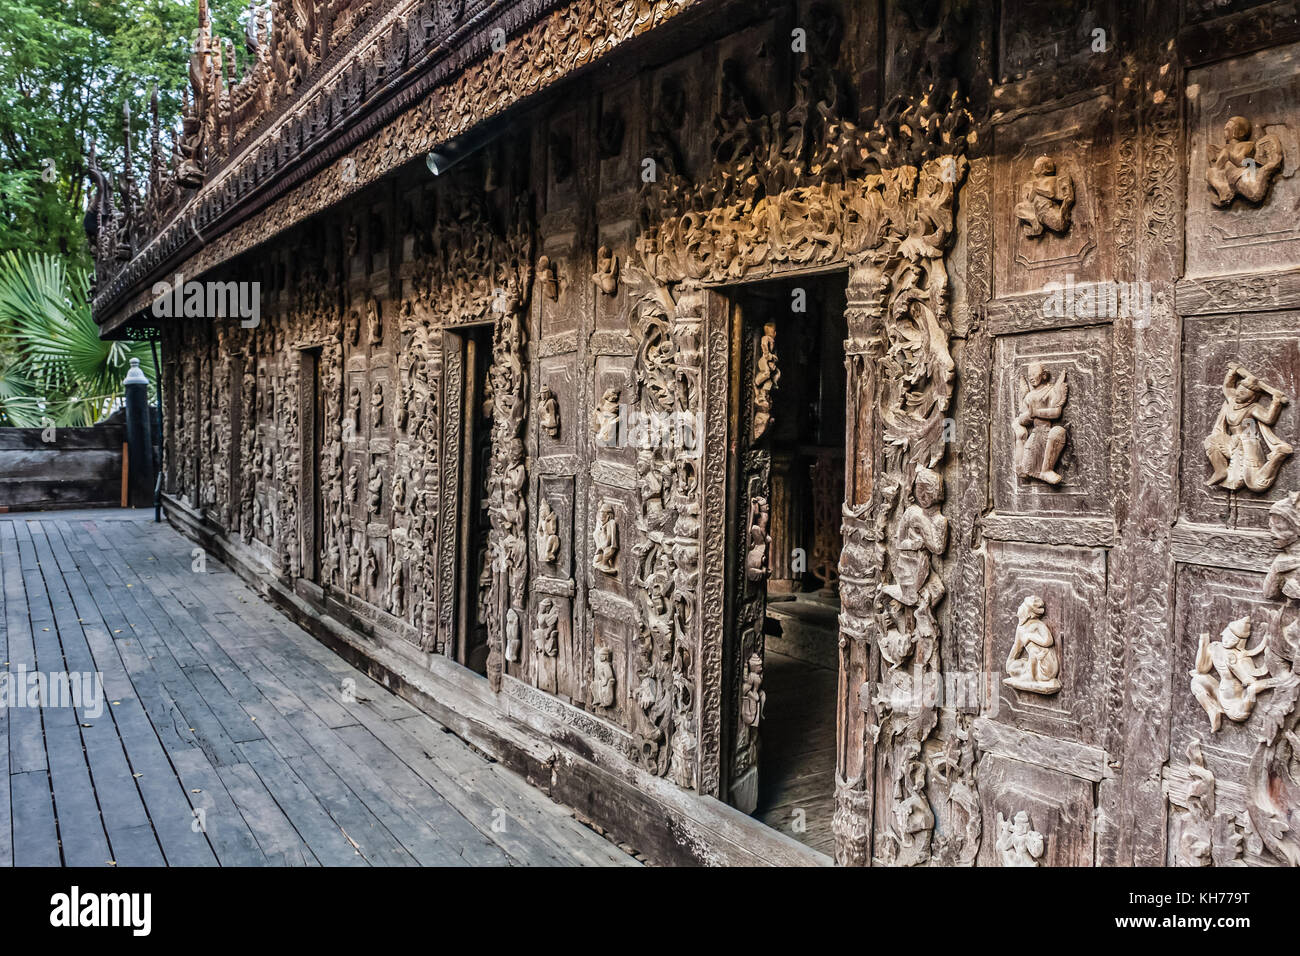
(1083,356)
(557,492)
(1252,175)
(1058,806)
(1267,346)
(1038,236)
(1071,582)
(1207,600)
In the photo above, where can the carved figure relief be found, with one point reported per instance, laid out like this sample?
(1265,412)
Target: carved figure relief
(1242,447)
(354,409)
(1205,837)
(396,596)
(548,534)
(376,406)
(374,321)
(1227,679)
(767,375)
(513,639)
(912,819)
(548,412)
(546,635)
(351,486)
(605,419)
(1046,201)
(1283,579)
(759,541)
(1018,844)
(605,539)
(546,279)
(1040,438)
(1245,165)
(921,537)
(376,488)
(606,274)
(372,568)
(1034,662)
(602,680)
(753,698)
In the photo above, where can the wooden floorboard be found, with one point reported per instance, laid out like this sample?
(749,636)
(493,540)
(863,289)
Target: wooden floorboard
(225,734)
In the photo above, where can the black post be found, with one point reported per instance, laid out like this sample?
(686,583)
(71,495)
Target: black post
(139,439)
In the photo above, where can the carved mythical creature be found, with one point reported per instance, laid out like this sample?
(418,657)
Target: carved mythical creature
(1244,165)
(759,541)
(1046,200)
(1227,680)
(753,699)
(1242,446)
(605,419)
(546,635)
(602,679)
(605,558)
(767,376)
(1034,661)
(1039,439)
(1018,844)
(548,412)
(1284,526)
(606,274)
(548,533)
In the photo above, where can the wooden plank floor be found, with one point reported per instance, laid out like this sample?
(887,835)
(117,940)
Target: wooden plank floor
(796,768)
(226,735)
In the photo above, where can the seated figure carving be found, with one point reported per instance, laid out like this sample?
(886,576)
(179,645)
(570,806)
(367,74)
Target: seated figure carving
(1034,663)
(1046,201)
(1245,165)
(1226,680)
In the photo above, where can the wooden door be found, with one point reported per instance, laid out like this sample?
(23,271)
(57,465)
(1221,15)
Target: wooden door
(754,372)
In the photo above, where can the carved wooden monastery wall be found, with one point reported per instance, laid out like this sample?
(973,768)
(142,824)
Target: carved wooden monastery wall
(1068,626)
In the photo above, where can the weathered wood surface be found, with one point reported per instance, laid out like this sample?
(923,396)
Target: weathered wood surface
(60,468)
(227,736)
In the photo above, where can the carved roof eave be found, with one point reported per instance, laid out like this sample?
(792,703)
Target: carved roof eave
(199,237)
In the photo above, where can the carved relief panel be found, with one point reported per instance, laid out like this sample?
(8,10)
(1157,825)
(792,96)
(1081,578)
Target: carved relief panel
(1051,437)
(1053,194)
(1056,806)
(1045,647)
(1241,376)
(1244,149)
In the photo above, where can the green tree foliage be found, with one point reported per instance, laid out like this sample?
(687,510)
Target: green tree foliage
(54,367)
(66,69)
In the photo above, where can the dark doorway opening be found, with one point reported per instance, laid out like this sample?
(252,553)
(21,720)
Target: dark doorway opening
(800,321)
